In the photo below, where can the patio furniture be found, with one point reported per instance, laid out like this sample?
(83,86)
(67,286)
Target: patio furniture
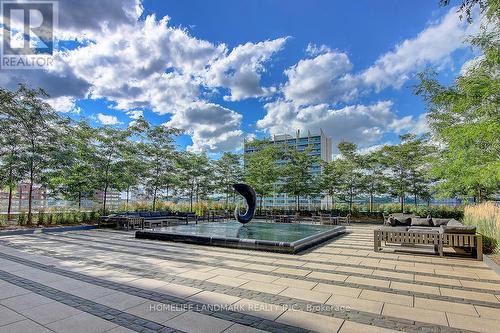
(344,219)
(328,219)
(122,222)
(413,231)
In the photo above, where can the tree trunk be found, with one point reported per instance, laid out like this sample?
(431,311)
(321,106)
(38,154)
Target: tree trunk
(30,196)
(402,199)
(154,198)
(298,203)
(79,201)
(260,206)
(191,202)
(104,199)
(350,201)
(128,193)
(20,198)
(9,206)
(333,203)
(371,202)
(415,200)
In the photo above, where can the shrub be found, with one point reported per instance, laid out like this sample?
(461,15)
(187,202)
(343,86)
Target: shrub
(40,218)
(21,218)
(486,218)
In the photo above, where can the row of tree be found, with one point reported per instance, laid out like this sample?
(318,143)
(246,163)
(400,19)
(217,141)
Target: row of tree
(74,160)
(398,170)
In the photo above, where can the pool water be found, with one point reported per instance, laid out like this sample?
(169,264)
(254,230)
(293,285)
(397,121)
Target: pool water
(277,237)
(278,232)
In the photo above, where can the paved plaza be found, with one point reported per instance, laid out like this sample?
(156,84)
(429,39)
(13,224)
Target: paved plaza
(108,281)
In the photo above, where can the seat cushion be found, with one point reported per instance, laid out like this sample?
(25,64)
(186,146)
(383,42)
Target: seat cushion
(421,222)
(424,229)
(439,222)
(458,229)
(402,220)
(394,229)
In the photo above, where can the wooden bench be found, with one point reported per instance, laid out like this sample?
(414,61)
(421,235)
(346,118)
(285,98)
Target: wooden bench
(435,238)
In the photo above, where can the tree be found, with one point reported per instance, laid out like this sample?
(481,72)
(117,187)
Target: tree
(297,176)
(374,181)
(489,7)
(406,163)
(464,118)
(350,175)
(261,170)
(330,179)
(11,171)
(39,129)
(228,171)
(195,176)
(74,176)
(112,148)
(159,157)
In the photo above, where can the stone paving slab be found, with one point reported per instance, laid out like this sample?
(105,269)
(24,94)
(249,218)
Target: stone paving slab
(386,291)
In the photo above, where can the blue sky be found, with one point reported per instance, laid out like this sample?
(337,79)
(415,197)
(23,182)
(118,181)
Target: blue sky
(228,70)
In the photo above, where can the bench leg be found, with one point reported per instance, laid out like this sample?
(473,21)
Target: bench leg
(479,249)
(376,242)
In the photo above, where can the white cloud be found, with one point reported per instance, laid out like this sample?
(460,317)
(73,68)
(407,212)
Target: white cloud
(147,64)
(433,45)
(323,79)
(314,50)
(240,70)
(211,126)
(362,124)
(85,19)
(64,104)
(319,82)
(416,125)
(107,119)
(135,114)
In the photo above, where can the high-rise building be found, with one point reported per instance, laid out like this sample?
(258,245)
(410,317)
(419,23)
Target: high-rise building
(321,147)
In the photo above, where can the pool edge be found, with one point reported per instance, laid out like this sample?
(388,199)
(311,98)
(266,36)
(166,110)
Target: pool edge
(249,244)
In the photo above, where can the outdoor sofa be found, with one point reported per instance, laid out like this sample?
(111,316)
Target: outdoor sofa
(402,229)
(136,220)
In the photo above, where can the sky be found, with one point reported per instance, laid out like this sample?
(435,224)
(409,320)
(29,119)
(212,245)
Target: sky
(225,71)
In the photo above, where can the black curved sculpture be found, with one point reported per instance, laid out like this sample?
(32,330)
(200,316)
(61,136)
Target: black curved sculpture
(249,194)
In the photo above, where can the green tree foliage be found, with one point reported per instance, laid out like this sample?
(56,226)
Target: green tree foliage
(407,165)
(465,117)
(261,170)
(74,175)
(296,174)
(330,180)
(228,171)
(159,158)
(38,128)
(349,173)
(374,180)
(112,148)
(11,173)
(195,176)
